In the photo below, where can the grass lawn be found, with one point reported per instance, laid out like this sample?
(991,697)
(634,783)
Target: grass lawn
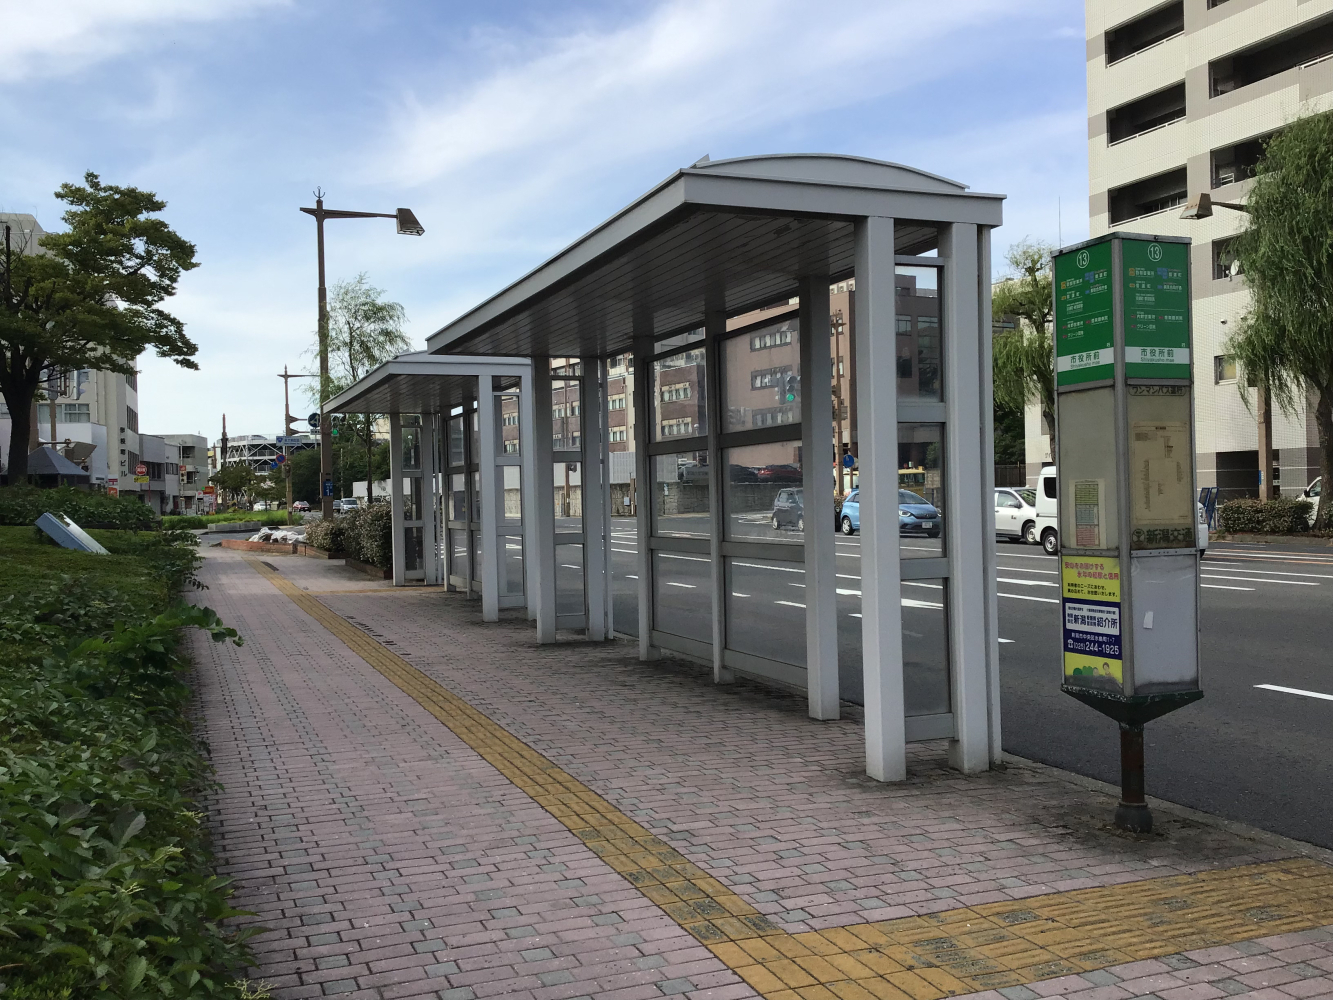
(26,563)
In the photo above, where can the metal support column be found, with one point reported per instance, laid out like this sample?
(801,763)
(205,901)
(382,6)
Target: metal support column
(398,543)
(431,563)
(643,491)
(542,548)
(988,562)
(821,610)
(968,511)
(492,499)
(596,498)
(715,329)
(528,492)
(877,425)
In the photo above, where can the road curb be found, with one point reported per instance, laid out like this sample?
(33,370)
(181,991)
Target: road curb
(1299,847)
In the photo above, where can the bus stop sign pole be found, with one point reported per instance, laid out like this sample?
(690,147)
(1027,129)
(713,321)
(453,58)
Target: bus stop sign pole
(1124,447)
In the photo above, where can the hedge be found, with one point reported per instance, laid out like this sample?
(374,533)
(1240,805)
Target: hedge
(364,534)
(25,504)
(106,881)
(275,518)
(1283,516)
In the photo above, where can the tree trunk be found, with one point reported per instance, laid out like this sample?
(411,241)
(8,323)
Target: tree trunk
(20,430)
(1323,416)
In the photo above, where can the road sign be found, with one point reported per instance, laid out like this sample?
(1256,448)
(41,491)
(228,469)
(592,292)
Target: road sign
(848,461)
(328,487)
(280,459)
(313,421)
(286,441)
(141,479)
(141,469)
(209,490)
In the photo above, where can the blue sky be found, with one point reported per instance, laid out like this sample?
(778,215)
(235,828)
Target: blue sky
(510,128)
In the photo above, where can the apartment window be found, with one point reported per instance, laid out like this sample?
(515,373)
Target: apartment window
(904,323)
(1224,368)
(616,403)
(510,420)
(1301,46)
(1145,30)
(768,378)
(133,461)
(132,419)
(187,451)
(678,427)
(1238,162)
(132,380)
(511,447)
(774,337)
(928,322)
(618,434)
(773,416)
(1224,259)
(676,392)
(1148,196)
(1146,113)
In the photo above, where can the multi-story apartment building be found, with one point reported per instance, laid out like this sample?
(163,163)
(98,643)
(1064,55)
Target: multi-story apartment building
(193,475)
(1181,96)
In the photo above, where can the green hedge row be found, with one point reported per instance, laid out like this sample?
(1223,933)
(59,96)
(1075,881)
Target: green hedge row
(365,534)
(1283,516)
(106,880)
(265,517)
(25,504)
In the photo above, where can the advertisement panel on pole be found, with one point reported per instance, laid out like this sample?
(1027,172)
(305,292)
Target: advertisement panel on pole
(1090,600)
(1083,316)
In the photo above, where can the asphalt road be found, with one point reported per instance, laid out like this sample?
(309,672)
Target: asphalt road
(1245,752)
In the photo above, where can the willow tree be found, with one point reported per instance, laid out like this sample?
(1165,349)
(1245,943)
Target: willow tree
(1285,339)
(365,331)
(1023,362)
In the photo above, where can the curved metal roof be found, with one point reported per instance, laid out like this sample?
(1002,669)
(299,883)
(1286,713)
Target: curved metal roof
(725,235)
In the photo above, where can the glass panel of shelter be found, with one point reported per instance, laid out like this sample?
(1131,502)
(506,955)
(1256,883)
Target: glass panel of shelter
(762,496)
(462,514)
(622,526)
(567,450)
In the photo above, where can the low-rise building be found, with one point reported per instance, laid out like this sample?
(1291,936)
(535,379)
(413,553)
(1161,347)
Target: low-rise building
(194,472)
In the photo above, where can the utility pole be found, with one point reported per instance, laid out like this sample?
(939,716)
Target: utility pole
(289,430)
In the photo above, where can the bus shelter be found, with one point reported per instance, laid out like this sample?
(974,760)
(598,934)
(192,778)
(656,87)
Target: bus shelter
(714,368)
(459,474)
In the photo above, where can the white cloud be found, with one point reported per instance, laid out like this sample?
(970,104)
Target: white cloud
(58,37)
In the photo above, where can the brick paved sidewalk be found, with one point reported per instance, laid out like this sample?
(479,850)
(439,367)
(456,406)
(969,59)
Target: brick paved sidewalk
(392,856)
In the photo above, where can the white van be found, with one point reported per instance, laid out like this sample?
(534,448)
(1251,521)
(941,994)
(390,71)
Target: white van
(1048,524)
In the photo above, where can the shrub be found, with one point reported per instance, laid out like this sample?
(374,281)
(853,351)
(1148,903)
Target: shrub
(25,504)
(1283,516)
(276,518)
(106,883)
(364,534)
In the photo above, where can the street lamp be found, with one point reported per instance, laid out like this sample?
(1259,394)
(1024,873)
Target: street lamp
(1202,208)
(407,226)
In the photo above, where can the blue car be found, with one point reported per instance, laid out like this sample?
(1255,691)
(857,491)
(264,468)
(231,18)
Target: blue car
(915,516)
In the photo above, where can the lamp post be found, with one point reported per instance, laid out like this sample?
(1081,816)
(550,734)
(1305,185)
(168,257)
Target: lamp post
(1202,207)
(407,226)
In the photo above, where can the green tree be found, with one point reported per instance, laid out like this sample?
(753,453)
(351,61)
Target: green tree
(1285,340)
(236,480)
(364,332)
(88,298)
(1023,362)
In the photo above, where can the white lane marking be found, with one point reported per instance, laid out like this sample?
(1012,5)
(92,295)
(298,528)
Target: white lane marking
(790,604)
(630,576)
(1027,597)
(734,594)
(1020,555)
(1024,569)
(1287,690)
(801,585)
(1270,572)
(914,583)
(568,566)
(849,555)
(1218,586)
(1006,640)
(849,593)
(673,555)
(776,569)
(632,552)
(1256,579)
(847,576)
(907,602)
(1027,583)
(687,586)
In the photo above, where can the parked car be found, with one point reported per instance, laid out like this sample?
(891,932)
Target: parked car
(915,515)
(300,505)
(345,504)
(1048,526)
(692,472)
(789,510)
(781,473)
(1016,514)
(265,505)
(1312,491)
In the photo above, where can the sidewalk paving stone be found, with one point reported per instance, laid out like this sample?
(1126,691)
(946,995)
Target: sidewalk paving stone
(346,802)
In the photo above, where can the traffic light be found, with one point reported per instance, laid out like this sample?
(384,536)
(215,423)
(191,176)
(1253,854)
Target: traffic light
(335,424)
(791,387)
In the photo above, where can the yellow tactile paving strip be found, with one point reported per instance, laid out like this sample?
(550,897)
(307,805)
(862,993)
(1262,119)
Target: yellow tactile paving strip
(913,958)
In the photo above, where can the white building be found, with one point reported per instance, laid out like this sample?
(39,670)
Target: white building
(258,450)
(194,471)
(1181,96)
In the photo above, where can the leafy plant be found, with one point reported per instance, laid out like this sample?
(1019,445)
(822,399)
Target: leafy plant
(1283,516)
(364,534)
(25,504)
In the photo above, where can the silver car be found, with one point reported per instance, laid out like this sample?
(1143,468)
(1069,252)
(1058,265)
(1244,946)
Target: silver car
(1016,513)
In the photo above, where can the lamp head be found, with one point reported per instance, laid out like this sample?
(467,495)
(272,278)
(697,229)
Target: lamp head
(408,224)
(1200,208)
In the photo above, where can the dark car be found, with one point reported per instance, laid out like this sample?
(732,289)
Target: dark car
(780,474)
(789,510)
(300,505)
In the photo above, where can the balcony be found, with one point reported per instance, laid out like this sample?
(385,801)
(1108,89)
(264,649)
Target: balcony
(1310,43)
(1152,111)
(1145,31)
(1149,196)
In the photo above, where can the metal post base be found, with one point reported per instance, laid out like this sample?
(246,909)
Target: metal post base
(1133,817)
